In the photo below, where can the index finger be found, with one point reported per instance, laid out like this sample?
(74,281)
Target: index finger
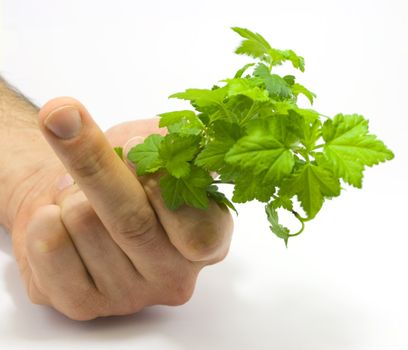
(113,191)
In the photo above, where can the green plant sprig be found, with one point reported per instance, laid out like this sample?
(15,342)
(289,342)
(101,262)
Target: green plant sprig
(251,133)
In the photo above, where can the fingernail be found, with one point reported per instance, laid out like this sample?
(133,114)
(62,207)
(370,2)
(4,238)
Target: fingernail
(132,143)
(129,145)
(64,181)
(64,122)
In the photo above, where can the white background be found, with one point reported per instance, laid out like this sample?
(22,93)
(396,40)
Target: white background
(340,285)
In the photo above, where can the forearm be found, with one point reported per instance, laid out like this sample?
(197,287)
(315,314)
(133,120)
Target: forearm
(22,148)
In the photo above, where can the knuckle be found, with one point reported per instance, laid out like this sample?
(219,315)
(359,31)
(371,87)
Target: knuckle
(47,243)
(90,163)
(137,226)
(77,212)
(181,296)
(179,287)
(83,307)
(92,307)
(205,241)
(130,302)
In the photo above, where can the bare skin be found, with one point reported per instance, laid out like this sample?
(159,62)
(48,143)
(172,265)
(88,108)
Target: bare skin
(106,245)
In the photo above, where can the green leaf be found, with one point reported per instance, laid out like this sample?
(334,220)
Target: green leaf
(253,45)
(237,107)
(145,156)
(276,86)
(220,197)
(290,79)
(119,151)
(228,173)
(190,190)
(282,201)
(252,134)
(186,122)
(249,187)
(349,147)
(307,132)
(256,46)
(300,89)
(241,71)
(176,151)
(311,183)
(264,151)
(309,114)
(276,228)
(212,156)
(226,131)
(289,55)
(225,134)
(169,118)
(312,133)
(284,107)
(203,97)
(247,87)
(296,123)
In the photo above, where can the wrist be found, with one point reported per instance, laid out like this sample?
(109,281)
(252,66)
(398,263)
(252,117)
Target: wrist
(25,155)
(25,159)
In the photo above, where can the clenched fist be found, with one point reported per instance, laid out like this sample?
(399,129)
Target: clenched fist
(105,243)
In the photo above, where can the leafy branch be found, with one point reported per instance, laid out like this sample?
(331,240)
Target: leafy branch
(250,131)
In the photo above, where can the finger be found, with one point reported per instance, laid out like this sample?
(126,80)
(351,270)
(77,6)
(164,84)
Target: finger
(120,133)
(111,270)
(18,236)
(124,134)
(57,268)
(89,158)
(34,293)
(165,260)
(113,191)
(199,235)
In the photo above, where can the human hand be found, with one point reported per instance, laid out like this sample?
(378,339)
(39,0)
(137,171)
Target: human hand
(107,245)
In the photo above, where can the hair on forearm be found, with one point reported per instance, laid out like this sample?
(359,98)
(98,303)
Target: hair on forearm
(16,110)
(18,94)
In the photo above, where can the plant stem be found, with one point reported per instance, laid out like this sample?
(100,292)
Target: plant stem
(298,216)
(223,182)
(324,116)
(302,222)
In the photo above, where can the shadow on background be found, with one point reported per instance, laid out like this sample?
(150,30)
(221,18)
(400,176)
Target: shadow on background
(217,317)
